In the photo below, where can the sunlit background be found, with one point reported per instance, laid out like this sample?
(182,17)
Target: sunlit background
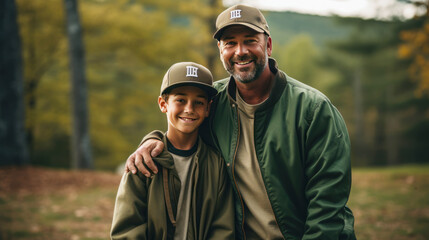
(370,57)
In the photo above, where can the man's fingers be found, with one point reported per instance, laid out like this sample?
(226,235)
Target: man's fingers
(139,163)
(129,165)
(159,146)
(149,162)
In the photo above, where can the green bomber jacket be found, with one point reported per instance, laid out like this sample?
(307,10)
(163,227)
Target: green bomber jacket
(303,149)
(141,208)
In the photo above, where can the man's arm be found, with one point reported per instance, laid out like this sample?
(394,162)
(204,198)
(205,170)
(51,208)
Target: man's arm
(141,159)
(328,174)
(129,216)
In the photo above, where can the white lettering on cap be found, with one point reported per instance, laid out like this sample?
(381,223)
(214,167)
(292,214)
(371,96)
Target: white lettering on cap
(191,71)
(235,14)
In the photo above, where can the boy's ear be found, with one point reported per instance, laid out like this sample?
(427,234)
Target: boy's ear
(162,104)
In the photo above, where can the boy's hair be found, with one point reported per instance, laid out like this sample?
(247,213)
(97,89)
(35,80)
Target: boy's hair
(166,94)
(188,74)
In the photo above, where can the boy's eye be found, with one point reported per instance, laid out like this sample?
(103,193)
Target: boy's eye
(180,100)
(199,103)
(229,43)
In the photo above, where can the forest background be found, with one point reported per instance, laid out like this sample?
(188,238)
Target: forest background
(375,71)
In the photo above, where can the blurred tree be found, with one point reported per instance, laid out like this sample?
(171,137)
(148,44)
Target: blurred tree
(13,148)
(129,46)
(41,28)
(81,144)
(369,77)
(413,49)
(299,59)
(201,15)
(415,46)
(387,115)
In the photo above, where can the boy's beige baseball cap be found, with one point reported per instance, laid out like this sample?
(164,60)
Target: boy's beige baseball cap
(241,15)
(188,74)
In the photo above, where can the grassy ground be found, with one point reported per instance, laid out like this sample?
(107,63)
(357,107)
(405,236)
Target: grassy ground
(39,203)
(391,203)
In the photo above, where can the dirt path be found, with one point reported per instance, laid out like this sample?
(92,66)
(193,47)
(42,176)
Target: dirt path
(43,203)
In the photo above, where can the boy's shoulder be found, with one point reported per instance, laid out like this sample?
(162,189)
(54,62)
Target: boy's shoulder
(209,152)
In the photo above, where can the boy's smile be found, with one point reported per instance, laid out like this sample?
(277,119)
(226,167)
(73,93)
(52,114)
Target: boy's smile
(186,108)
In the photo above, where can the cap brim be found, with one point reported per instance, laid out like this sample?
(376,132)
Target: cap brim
(211,91)
(219,32)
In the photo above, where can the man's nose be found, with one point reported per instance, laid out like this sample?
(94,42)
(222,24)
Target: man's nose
(241,49)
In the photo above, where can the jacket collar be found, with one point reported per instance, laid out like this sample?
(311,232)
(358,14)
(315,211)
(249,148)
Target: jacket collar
(276,91)
(165,159)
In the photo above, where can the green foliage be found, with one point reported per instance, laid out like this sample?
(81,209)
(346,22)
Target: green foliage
(285,26)
(130,44)
(381,92)
(300,59)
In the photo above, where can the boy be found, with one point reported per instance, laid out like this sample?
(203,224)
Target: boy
(191,197)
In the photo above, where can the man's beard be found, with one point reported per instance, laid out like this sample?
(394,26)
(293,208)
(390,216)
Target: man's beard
(247,75)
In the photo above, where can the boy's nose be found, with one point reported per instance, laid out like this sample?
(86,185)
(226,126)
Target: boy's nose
(189,108)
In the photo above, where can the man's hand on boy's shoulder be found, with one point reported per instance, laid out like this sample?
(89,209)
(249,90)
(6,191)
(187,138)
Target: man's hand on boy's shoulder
(150,148)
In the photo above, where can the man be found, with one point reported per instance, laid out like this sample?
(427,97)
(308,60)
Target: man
(285,145)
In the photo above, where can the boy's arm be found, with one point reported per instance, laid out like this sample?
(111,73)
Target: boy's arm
(223,225)
(130,213)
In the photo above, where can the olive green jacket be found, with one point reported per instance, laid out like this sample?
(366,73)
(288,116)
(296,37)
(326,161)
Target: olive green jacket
(303,149)
(142,211)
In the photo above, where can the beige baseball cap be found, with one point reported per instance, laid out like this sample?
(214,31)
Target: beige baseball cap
(188,74)
(241,15)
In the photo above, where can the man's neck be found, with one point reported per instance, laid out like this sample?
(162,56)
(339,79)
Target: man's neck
(257,91)
(182,141)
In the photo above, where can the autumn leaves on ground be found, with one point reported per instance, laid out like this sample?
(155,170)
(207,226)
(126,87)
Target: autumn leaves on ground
(42,203)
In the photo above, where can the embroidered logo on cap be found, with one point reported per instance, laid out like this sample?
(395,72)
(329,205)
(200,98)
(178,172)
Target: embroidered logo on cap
(235,14)
(191,71)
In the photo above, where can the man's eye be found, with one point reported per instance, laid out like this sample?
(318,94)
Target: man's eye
(180,100)
(199,103)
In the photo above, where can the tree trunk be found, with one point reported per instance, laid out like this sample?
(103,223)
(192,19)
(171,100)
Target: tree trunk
(212,54)
(392,147)
(13,149)
(81,144)
(359,136)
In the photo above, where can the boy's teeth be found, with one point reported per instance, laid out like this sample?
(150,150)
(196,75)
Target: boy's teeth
(187,119)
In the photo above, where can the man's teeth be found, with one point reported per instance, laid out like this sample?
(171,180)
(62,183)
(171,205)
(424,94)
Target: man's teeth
(243,63)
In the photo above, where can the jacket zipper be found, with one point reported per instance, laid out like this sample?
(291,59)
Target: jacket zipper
(263,179)
(233,170)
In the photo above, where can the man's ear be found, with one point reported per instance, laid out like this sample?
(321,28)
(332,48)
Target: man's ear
(162,104)
(269,46)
